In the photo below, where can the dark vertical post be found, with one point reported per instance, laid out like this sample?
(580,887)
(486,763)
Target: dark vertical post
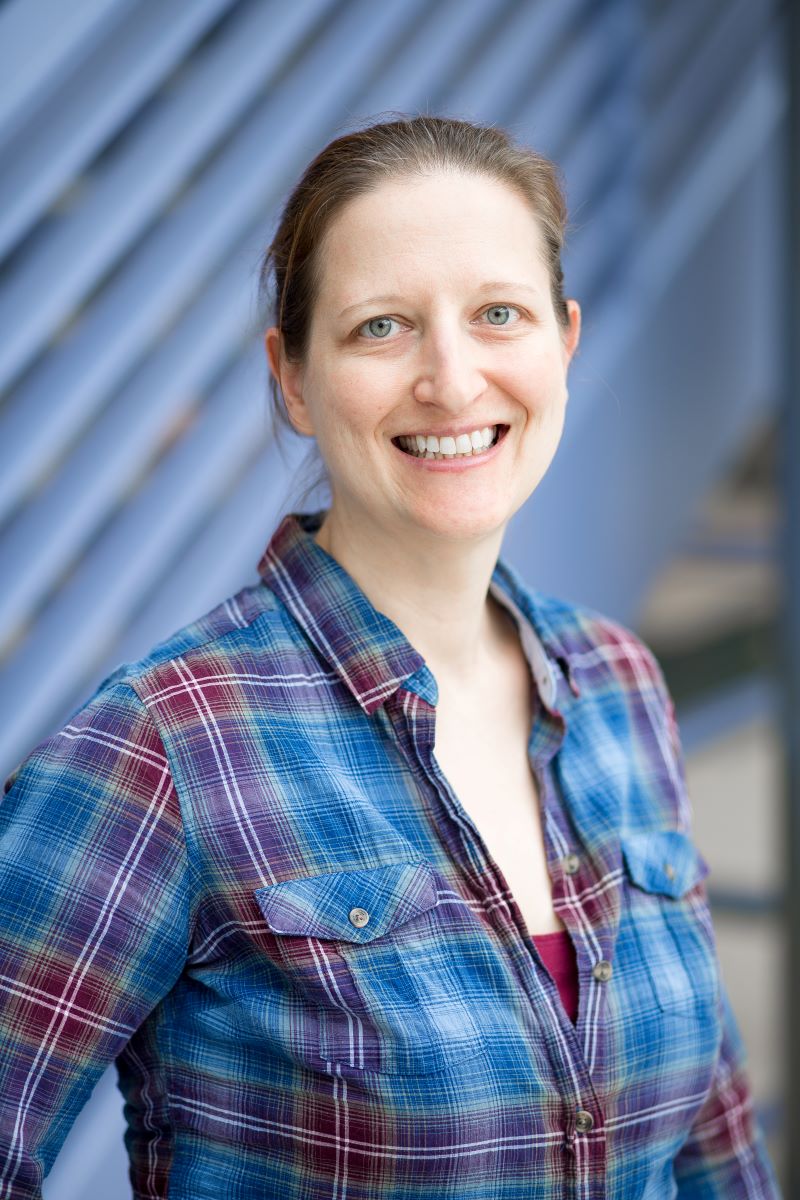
(789,658)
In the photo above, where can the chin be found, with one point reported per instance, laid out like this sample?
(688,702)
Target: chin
(462,526)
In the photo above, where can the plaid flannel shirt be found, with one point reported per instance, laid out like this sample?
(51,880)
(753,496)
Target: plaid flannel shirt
(239,872)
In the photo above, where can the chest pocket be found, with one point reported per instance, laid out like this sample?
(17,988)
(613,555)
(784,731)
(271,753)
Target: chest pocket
(670,921)
(375,961)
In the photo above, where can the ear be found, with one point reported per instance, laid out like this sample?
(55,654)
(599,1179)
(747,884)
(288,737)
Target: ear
(289,377)
(572,335)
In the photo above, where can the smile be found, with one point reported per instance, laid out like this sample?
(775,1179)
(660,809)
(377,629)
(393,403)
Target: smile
(465,445)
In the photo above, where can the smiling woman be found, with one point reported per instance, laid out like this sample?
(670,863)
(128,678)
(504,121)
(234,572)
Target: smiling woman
(377,880)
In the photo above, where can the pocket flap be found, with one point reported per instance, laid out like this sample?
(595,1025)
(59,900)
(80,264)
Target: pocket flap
(320,905)
(663,860)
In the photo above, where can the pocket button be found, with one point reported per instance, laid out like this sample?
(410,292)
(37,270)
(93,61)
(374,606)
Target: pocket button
(358,917)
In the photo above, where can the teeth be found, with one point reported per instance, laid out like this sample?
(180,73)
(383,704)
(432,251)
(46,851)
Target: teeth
(465,445)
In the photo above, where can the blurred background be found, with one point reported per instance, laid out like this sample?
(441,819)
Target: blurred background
(145,149)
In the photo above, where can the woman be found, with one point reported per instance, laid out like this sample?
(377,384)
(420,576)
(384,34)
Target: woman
(377,880)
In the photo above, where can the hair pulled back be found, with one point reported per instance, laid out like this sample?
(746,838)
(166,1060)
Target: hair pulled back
(357,162)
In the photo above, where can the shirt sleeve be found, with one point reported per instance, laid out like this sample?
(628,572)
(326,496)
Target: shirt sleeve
(94,919)
(724,1156)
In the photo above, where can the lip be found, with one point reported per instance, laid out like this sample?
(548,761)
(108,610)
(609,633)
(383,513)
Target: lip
(456,464)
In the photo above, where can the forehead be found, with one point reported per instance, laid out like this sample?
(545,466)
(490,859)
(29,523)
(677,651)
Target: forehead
(445,225)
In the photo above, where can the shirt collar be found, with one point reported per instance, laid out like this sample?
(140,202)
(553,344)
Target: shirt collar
(370,653)
(546,651)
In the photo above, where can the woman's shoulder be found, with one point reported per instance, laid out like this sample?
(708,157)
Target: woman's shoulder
(248,636)
(622,706)
(246,628)
(225,658)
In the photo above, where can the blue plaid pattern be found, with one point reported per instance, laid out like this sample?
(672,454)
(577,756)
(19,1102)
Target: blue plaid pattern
(239,872)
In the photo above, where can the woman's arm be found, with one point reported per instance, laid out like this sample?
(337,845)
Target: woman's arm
(724,1156)
(94,919)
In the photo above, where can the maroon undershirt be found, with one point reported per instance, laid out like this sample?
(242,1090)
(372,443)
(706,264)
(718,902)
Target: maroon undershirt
(558,955)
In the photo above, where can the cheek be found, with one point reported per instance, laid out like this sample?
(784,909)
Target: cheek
(352,417)
(361,402)
(537,381)
(371,385)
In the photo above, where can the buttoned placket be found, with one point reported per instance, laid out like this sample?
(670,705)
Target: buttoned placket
(584,1119)
(413,715)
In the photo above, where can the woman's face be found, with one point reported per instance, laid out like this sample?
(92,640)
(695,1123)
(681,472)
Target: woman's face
(433,318)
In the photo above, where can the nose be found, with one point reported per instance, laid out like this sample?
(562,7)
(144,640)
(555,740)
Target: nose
(449,375)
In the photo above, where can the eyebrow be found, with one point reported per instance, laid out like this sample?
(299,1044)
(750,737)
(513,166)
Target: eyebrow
(489,285)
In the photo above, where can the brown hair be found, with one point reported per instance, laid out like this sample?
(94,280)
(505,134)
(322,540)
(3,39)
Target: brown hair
(359,161)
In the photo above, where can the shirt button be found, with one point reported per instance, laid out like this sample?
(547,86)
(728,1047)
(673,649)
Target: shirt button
(358,917)
(602,970)
(548,685)
(571,863)
(669,870)
(583,1121)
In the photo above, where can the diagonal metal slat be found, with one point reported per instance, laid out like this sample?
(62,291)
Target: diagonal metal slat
(105,464)
(516,51)
(231,536)
(444,37)
(33,67)
(126,192)
(46,155)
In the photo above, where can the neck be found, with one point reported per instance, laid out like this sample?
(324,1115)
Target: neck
(434,589)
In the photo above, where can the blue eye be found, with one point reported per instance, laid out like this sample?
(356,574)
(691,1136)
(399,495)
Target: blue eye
(499,314)
(379,327)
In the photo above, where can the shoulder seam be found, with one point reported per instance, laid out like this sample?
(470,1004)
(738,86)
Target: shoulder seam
(140,668)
